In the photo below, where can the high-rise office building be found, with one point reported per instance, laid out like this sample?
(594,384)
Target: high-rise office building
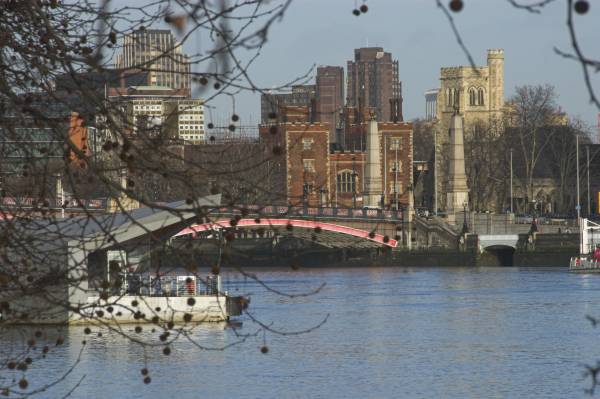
(156,51)
(373,82)
(330,98)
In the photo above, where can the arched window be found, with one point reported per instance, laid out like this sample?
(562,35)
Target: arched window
(346,183)
(472,97)
(448,97)
(456,102)
(480,100)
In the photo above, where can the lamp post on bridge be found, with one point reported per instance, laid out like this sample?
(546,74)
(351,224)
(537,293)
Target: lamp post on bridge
(465,227)
(354,182)
(323,197)
(395,192)
(305,194)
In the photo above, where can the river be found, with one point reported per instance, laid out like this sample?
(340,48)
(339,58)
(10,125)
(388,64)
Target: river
(390,333)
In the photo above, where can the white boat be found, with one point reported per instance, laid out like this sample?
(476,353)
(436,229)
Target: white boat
(165,299)
(589,238)
(90,272)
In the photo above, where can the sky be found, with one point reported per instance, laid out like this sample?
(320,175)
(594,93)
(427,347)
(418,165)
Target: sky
(416,32)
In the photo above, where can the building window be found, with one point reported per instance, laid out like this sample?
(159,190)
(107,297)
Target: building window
(396,185)
(307,190)
(307,144)
(345,182)
(456,100)
(480,97)
(396,143)
(396,165)
(472,97)
(309,165)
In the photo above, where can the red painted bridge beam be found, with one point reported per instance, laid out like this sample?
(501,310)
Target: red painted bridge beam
(307,224)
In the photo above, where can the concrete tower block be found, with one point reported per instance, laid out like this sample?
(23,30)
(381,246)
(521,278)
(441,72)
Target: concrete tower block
(373,184)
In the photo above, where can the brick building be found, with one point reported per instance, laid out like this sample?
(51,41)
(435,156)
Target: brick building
(304,169)
(373,82)
(299,155)
(396,157)
(329,100)
(299,96)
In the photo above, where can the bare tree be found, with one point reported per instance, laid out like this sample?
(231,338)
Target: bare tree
(55,58)
(486,166)
(531,125)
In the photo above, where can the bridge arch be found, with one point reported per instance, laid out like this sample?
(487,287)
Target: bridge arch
(499,255)
(296,223)
(498,249)
(495,240)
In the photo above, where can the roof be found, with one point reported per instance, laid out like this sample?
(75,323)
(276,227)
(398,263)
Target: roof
(98,232)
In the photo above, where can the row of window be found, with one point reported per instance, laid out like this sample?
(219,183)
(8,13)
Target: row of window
(346,182)
(395,143)
(192,136)
(147,107)
(309,166)
(476,97)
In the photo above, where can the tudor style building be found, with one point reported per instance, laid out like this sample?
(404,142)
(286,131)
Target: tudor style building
(307,170)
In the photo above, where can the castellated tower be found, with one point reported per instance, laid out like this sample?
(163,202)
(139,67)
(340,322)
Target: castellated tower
(476,94)
(495,62)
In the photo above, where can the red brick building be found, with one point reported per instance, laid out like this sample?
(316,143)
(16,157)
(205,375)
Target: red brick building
(330,98)
(78,135)
(373,82)
(304,170)
(299,153)
(396,165)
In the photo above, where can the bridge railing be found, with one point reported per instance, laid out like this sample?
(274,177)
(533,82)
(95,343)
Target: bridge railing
(52,203)
(311,212)
(165,285)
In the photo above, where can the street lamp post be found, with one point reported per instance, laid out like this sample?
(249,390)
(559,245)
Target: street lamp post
(60,194)
(323,198)
(465,228)
(511,181)
(354,182)
(395,194)
(305,194)
(578,207)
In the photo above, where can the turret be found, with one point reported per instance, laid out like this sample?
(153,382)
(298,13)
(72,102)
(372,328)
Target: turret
(495,62)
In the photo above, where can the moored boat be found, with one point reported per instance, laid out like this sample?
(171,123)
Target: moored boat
(588,260)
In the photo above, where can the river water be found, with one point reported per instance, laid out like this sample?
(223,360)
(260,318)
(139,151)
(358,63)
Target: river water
(391,333)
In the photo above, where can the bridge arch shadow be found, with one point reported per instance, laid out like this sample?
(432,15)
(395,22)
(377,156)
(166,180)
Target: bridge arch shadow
(498,255)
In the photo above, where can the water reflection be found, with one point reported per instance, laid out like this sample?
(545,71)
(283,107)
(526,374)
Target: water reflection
(392,333)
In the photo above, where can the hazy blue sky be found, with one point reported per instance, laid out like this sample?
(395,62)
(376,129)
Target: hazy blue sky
(324,32)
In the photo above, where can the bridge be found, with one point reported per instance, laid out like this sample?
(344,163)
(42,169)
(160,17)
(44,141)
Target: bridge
(498,240)
(308,230)
(329,227)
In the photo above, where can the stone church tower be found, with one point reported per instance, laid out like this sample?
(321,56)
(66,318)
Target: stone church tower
(477,95)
